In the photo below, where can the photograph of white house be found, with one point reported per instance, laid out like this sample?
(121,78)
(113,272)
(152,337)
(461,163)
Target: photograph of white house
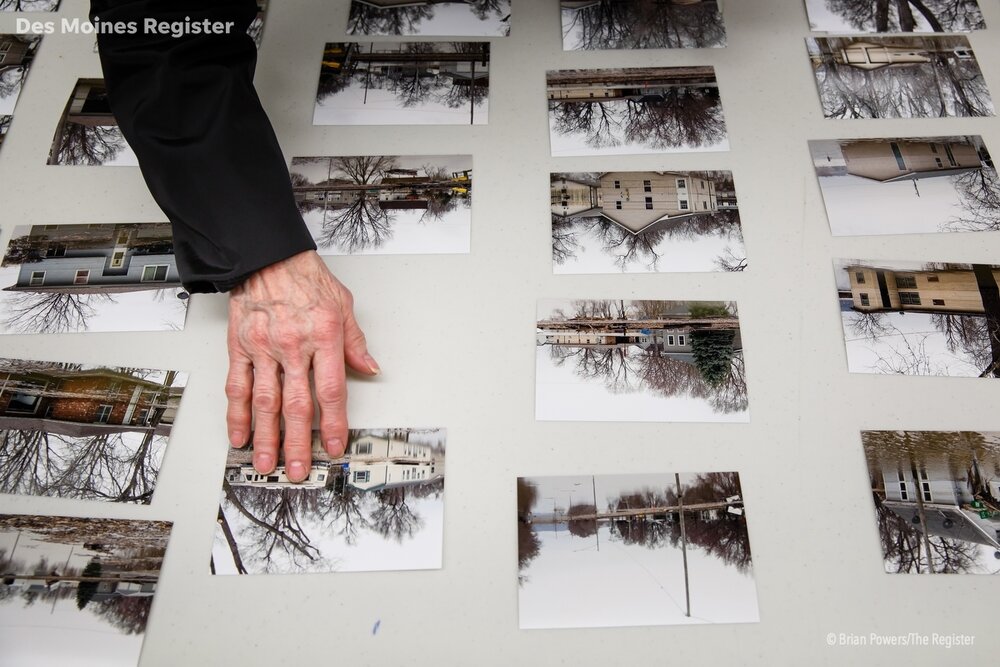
(633,550)
(645,221)
(404,83)
(378,507)
(77,591)
(905,16)
(913,185)
(898,77)
(644,361)
(937,500)
(386,204)
(88,133)
(642,24)
(430,18)
(911,318)
(634,111)
(71,430)
(95,277)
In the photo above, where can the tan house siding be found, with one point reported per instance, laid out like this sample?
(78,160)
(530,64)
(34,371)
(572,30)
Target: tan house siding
(878,160)
(951,291)
(637,199)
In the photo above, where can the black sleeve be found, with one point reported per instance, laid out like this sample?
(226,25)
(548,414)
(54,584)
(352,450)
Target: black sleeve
(188,108)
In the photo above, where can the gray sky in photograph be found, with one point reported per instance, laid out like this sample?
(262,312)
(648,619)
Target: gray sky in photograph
(458,20)
(7,103)
(383,108)
(579,489)
(574,144)
(126,158)
(572,584)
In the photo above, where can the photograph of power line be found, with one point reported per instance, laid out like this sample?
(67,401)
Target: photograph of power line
(905,16)
(429,18)
(630,550)
(642,24)
(937,500)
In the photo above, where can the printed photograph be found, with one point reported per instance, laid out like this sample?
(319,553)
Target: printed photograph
(379,507)
(17,52)
(937,500)
(908,318)
(29,5)
(636,110)
(4,126)
(386,204)
(427,18)
(404,83)
(907,185)
(85,432)
(88,133)
(647,361)
(898,77)
(77,591)
(642,24)
(99,277)
(894,16)
(645,221)
(630,550)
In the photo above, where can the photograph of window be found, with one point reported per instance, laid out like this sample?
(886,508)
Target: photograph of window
(641,24)
(907,16)
(378,507)
(632,550)
(428,18)
(660,221)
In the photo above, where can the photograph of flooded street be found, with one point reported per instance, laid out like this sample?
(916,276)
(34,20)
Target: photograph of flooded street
(653,361)
(937,500)
(630,550)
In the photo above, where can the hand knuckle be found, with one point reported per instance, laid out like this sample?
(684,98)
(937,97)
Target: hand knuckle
(266,401)
(298,405)
(237,390)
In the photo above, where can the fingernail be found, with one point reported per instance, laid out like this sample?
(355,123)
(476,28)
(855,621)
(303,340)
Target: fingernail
(372,365)
(334,447)
(296,471)
(236,439)
(264,463)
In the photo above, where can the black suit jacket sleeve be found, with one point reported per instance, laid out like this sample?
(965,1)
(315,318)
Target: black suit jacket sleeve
(188,108)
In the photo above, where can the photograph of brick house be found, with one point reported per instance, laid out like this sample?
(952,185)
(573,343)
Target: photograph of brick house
(378,507)
(642,24)
(920,319)
(430,18)
(612,222)
(99,277)
(85,432)
(909,185)
(907,16)
(937,500)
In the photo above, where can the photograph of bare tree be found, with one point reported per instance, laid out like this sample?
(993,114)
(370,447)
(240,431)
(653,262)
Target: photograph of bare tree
(17,52)
(379,507)
(645,221)
(908,318)
(427,18)
(641,24)
(84,432)
(937,500)
(636,110)
(914,185)
(386,204)
(29,5)
(77,591)
(652,361)
(100,277)
(898,77)
(894,15)
(404,83)
(88,133)
(631,550)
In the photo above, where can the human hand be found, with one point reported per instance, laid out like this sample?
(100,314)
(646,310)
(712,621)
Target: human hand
(283,320)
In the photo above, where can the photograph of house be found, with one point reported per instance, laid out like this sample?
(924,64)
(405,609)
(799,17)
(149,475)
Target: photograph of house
(642,24)
(898,77)
(635,110)
(404,83)
(29,5)
(84,432)
(920,319)
(429,18)
(17,52)
(77,591)
(633,550)
(937,500)
(386,204)
(378,507)
(88,133)
(906,16)
(634,221)
(97,277)
(907,185)
(647,361)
